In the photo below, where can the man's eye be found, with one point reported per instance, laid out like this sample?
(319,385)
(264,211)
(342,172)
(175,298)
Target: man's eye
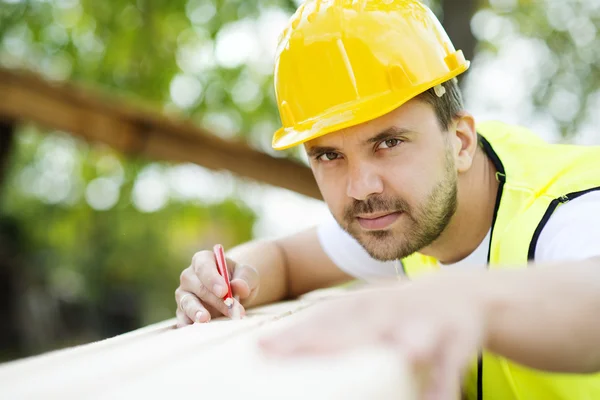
(387,144)
(329,156)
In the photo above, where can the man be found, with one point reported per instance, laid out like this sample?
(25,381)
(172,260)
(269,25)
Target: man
(415,186)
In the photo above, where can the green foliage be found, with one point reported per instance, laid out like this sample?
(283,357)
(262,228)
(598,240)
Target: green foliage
(114,269)
(563,41)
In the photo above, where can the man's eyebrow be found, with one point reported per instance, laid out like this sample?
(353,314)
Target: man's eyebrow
(318,150)
(387,134)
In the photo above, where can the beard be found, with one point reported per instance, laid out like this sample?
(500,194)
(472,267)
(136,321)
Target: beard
(424,224)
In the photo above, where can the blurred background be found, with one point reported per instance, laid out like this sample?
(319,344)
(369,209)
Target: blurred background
(92,240)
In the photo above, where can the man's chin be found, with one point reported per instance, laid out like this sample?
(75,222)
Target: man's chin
(381,247)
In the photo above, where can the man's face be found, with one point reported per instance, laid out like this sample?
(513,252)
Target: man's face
(391,183)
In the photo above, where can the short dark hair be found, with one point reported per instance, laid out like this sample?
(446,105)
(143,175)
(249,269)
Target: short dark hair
(446,107)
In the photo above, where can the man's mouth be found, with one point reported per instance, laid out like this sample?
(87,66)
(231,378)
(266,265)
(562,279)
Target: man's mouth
(377,221)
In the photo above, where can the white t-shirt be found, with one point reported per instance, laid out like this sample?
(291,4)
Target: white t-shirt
(571,233)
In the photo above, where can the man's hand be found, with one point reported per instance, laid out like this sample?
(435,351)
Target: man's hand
(437,324)
(200,293)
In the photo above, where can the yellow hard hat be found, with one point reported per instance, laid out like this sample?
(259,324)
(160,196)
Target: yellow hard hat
(343,62)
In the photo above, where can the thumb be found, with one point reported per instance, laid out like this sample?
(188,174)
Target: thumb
(244,282)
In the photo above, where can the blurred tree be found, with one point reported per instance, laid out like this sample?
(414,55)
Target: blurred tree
(7,137)
(456,16)
(556,43)
(11,336)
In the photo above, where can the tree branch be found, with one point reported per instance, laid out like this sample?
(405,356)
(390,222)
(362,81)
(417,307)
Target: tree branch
(457,22)
(7,135)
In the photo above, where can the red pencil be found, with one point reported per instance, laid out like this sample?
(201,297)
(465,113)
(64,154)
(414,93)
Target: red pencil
(222,268)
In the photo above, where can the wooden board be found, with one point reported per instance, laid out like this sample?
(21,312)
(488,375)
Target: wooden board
(215,360)
(137,129)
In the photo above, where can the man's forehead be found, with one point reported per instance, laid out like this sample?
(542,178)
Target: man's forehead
(411,116)
(360,135)
(357,133)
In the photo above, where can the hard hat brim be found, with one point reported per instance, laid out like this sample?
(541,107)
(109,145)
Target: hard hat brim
(352,114)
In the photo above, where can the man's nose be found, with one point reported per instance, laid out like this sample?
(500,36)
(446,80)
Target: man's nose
(363,181)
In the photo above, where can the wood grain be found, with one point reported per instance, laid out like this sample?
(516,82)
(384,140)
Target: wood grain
(215,360)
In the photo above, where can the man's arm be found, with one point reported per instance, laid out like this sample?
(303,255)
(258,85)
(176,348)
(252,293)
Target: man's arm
(289,267)
(546,317)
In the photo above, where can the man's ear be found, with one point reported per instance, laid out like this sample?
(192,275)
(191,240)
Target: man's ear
(464,141)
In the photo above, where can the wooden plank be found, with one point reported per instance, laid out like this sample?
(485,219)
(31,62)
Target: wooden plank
(215,360)
(139,130)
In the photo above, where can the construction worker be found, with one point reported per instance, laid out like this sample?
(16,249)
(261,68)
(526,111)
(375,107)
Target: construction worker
(494,233)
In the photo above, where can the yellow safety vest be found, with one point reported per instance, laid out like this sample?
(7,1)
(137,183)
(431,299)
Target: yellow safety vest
(534,179)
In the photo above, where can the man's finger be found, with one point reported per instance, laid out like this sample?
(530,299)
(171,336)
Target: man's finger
(244,282)
(237,311)
(418,344)
(248,274)
(240,288)
(457,353)
(191,306)
(447,372)
(205,268)
(182,319)
(191,283)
